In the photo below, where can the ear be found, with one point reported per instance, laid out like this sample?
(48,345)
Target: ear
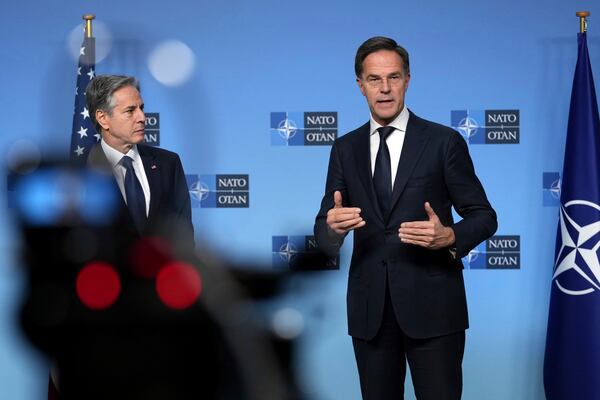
(361,86)
(102,119)
(407,82)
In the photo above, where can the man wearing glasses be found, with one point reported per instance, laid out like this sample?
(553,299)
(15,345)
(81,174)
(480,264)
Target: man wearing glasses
(394,182)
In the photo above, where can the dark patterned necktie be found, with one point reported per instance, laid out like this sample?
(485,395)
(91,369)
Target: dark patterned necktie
(382,176)
(136,202)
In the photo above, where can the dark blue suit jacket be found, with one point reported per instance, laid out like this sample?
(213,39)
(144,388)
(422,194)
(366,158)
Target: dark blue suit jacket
(426,286)
(169,214)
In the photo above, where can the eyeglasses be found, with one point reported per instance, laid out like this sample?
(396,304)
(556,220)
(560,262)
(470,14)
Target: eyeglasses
(377,82)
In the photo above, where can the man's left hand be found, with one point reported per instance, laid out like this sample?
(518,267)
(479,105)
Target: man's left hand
(430,234)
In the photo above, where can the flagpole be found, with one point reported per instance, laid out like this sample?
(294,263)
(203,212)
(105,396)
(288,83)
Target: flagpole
(582,20)
(88,24)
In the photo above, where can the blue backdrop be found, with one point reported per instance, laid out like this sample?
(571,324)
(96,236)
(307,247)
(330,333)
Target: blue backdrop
(216,71)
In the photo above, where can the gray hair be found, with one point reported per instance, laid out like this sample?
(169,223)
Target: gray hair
(99,94)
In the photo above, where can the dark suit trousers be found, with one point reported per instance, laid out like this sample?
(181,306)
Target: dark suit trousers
(435,363)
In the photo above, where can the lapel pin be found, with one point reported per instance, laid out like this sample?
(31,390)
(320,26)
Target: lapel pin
(153,166)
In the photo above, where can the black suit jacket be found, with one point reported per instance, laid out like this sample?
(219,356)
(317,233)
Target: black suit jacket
(169,214)
(426,286)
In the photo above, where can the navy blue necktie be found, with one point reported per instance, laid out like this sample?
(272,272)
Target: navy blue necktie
(382,176)
(136,201)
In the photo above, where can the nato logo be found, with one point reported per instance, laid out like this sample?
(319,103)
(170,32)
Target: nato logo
(577,268)
(286,249)
(487,126)
(219,191)
(551,189)
(152,129)
(303,129)
(498,252)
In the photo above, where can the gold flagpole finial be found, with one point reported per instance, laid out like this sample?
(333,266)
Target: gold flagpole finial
(582,20)
(88,24)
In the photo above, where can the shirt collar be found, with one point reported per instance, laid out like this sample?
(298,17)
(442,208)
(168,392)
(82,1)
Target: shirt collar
(114,156)
(399,122)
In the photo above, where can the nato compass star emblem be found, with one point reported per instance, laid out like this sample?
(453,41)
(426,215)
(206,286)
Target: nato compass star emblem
(577,269)
(555,189)
(199,190)
(475,259)
(287,129)
(468,127)
(472,256)
(287,251)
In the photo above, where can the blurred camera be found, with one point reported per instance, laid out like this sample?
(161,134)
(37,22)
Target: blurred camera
(137,318)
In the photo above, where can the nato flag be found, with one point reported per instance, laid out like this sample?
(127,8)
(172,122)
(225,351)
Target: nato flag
(572,361)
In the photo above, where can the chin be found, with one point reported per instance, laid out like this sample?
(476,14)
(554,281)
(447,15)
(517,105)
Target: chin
(388,117)
(390,114)
(138,139)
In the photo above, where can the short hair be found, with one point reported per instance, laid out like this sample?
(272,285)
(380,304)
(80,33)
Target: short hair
(99,94)
(378,43)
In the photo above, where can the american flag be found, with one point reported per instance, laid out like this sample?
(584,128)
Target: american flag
(84,135)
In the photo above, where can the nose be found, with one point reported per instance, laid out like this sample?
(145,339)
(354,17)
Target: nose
(385,85)
(140,116)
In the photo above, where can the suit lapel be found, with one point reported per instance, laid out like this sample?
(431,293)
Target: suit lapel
(362,153)
(152,171)
(415,140)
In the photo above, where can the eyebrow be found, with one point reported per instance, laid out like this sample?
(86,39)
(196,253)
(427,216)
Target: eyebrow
(388,75)
(133,107)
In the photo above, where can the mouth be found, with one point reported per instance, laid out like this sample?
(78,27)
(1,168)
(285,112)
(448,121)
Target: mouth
(385,102)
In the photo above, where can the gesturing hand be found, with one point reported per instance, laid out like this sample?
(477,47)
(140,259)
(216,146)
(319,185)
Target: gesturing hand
(430,234)
(342,219)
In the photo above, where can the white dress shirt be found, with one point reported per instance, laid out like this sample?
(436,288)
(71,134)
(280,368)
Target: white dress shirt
(114,158)
(394,141)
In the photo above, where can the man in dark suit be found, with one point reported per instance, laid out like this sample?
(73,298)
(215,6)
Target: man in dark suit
(394,182)
(151,180)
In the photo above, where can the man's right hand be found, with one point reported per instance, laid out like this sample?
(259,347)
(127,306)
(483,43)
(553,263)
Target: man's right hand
(342,219)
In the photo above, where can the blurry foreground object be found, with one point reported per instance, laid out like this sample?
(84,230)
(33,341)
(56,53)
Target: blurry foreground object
(130,318)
